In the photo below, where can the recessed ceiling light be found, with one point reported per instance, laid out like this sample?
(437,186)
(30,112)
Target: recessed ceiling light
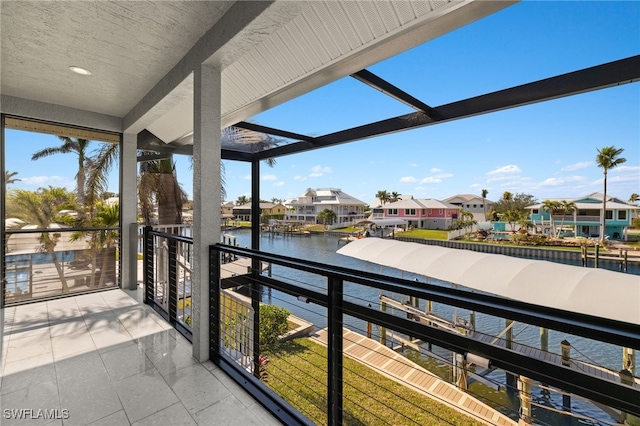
(80,70)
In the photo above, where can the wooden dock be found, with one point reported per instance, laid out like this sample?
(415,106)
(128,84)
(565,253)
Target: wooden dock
(395,366)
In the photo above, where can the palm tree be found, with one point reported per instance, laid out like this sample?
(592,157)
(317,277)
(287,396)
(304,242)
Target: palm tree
(484,206)
(395,196)
(565,207)
(158,182)
(552,207)
(327,217)
(78,146)
(42,209)
(9,177)
(607,158)
(634,198)
(383,196)
(242,200)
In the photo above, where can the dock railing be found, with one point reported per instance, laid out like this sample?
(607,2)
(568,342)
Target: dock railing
(371,361)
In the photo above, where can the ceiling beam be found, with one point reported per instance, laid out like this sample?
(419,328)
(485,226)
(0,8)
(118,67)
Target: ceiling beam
(274,132)
(598,77)
(372,80)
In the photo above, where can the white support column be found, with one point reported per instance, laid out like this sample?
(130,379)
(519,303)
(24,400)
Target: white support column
(206,197)
(129,211)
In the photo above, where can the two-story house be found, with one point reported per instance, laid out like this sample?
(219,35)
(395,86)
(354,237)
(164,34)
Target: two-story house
(305,208)
(473,203)
(243,212)
(585,219)
(421,213)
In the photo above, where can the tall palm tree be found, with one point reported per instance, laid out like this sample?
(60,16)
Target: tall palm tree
(607,158)
(565,207)
(394,196)
(383,196)
(159,185)
(71,145)
(9,177)
(242,200)
(484,206)
(42,209)
(634,198)
(552,207)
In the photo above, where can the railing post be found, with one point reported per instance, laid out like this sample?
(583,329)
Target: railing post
(214,303)
(173,281)
(565,348)
(148,265)
(255,305)
(335,362)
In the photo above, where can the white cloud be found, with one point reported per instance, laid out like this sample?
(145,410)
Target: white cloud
(508,169)
(312,175)
(435,170)
(563,181)
(576,166)
(44,181)
(281,183)
(247,177)
(475,185)
(269,177)
(430,179)
(300,178)
(413,165)
(408,179)
(320,169)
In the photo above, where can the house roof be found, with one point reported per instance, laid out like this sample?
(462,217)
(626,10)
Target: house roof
(591,201)
(466,198)
(263,206)
(334,195)
(429,203)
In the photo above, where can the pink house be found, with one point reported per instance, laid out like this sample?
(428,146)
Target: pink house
(425,214)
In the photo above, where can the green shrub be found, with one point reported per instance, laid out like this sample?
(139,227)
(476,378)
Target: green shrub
(273,323)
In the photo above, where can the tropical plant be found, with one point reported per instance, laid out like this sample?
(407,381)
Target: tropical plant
(466,220)
(394,196)
(242,200)
(42,208)
(159,186)
(9,177)
(553,207)
(484,205)
(383,196)
(634,198)
(607,158)
(509,201)
(273,323)
(327,217)
(103,243)
(565,207)
(71,145)
(512,217)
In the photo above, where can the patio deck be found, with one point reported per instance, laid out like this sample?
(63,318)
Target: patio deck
(107,359)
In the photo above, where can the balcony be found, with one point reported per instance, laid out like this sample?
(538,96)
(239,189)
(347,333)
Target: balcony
(107,358)
(373,359)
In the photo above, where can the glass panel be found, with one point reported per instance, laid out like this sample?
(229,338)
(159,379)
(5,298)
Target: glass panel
(61,211)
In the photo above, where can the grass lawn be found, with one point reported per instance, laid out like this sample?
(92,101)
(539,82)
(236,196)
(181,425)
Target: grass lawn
(348,229)
(297,371)
(433,234)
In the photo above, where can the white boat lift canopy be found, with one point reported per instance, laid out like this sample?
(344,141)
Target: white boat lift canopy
(598,292)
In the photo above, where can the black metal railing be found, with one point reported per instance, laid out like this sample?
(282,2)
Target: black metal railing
(367,340)
(167,277)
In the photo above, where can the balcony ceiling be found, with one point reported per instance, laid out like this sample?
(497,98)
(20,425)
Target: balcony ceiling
(142,55)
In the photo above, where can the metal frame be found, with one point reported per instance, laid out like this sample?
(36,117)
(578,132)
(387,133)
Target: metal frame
(610,74)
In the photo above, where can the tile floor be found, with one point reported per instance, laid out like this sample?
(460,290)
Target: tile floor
(106,359)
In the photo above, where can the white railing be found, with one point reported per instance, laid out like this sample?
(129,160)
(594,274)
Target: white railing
(461,232)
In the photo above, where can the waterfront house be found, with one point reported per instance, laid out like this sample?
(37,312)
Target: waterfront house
(585,220)
(473,203)
(421,213)
(243,212)
(165,77)
(305,208)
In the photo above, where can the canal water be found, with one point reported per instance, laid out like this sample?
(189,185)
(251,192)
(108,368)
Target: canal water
(322,248)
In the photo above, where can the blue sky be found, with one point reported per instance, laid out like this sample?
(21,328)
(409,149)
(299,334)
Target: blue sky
(546,149)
